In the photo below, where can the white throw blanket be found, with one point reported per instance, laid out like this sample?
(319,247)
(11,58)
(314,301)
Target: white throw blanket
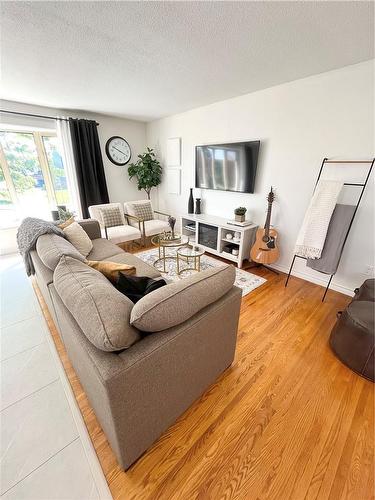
(314,228)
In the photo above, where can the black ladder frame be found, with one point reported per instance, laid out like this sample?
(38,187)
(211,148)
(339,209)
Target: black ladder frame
(363,185)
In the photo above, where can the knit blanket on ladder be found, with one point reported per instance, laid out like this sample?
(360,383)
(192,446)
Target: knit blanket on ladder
(312,235)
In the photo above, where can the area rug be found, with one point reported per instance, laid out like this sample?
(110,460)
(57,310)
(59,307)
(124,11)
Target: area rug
(244,280)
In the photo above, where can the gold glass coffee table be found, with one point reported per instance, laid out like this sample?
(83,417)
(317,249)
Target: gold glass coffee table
(164,241)
(189,254)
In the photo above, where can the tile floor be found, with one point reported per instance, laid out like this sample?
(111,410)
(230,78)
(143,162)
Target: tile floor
(44,453)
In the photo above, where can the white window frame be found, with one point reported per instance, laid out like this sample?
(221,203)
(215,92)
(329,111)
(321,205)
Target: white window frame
(42,158)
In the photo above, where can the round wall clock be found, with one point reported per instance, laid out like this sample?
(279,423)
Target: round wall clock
(118,150)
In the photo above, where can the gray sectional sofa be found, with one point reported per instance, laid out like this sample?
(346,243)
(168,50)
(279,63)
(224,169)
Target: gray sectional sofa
(179,338)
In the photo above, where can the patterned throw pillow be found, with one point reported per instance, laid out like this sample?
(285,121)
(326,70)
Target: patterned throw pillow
(111,216)
(143,210)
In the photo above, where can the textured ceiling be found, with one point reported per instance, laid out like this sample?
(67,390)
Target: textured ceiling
(145,60)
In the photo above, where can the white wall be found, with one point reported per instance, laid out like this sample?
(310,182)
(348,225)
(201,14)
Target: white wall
(298,123)
(119,186)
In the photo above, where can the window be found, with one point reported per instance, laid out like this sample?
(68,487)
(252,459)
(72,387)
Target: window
(32,176)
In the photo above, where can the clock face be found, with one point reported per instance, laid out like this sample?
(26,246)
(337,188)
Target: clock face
(118,150)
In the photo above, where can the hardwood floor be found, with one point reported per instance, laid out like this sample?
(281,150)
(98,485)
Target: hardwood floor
(286,421)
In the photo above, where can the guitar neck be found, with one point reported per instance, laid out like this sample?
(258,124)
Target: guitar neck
(268,220)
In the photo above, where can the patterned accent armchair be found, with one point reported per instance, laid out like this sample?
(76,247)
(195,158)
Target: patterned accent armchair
(141,211)
(116,232)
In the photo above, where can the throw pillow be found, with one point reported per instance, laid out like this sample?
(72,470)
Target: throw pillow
(78,238)
(111,216)
(143,210)
(136,287)
(177,302)
(111,270)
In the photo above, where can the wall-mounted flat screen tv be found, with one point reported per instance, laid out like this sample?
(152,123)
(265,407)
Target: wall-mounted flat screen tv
(227,167)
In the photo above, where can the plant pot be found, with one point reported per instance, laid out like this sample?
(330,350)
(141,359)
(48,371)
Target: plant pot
(239,218)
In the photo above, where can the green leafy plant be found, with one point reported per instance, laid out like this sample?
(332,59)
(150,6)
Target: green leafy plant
(240,211)
(147,170)
(64,215)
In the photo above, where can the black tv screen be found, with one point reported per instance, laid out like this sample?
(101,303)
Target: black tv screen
(227,167)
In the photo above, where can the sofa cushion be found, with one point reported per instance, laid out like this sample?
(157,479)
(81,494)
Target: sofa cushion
(79,238)
(102,249)
(121,234)
(101,311)
(177,302)
(51,247)
(141,268)
(156,226)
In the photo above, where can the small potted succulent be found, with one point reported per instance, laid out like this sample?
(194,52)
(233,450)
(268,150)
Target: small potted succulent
(239,214)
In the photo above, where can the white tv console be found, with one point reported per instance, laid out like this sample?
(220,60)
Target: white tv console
(210,233)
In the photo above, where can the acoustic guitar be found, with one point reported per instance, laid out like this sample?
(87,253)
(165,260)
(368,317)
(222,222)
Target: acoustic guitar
(264,250)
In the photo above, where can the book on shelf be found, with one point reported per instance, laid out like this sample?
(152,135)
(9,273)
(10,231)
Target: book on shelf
(240,224)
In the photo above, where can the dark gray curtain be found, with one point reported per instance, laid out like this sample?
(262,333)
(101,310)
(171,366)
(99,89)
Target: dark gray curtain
(91,181)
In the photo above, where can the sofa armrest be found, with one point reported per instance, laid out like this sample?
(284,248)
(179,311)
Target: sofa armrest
(92,228)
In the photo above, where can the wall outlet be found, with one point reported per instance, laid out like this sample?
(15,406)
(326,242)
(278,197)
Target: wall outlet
(370,271)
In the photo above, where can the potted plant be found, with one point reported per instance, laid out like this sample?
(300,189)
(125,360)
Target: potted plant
(147,170)
(239,214)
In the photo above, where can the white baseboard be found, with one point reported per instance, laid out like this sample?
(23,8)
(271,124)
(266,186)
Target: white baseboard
(317,281)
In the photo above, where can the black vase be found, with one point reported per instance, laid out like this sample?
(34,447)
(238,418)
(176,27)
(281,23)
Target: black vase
(191,202)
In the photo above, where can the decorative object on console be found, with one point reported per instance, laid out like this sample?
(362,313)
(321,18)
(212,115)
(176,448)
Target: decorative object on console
(118,150)
(172,222)
(198,206)
(198,197)
(240,214)
(191,202)
(147,170)
(366,175)
(264,250)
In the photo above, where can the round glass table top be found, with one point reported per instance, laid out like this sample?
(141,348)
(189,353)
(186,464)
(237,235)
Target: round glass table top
(167,240)
(190,251)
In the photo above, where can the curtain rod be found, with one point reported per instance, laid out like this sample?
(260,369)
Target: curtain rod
(36,116)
